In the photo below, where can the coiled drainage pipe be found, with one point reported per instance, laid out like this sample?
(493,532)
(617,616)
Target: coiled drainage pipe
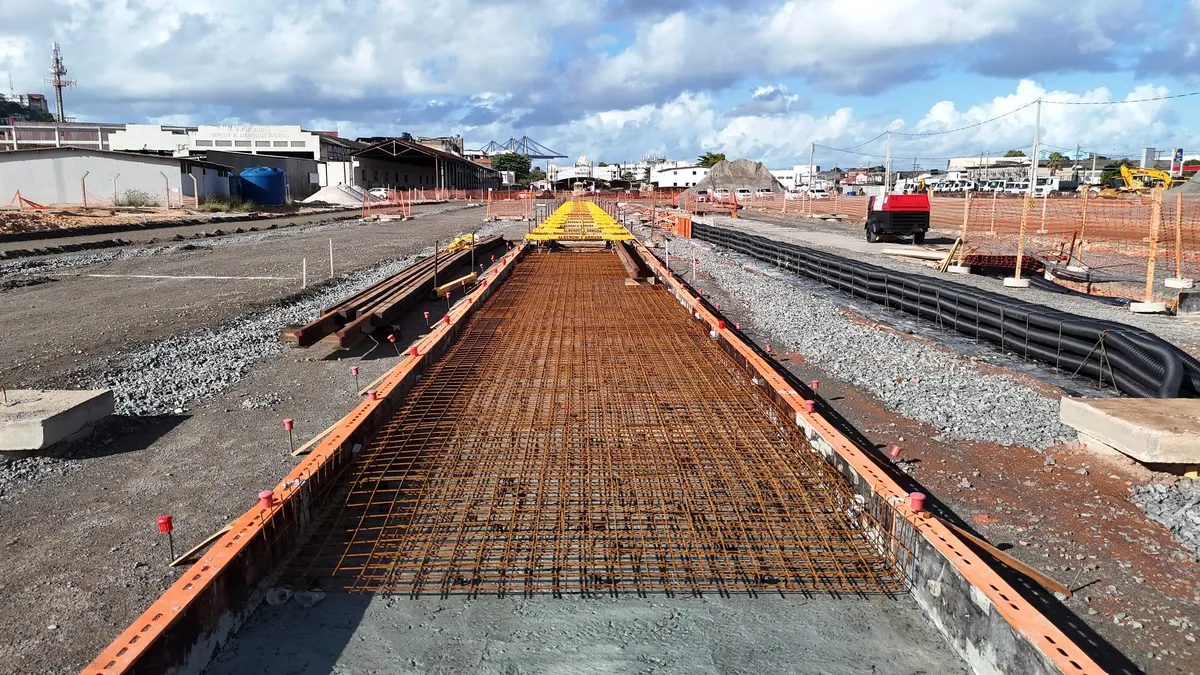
(1136,362)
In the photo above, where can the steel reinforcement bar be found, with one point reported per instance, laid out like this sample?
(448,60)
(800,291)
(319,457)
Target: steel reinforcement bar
(188,624)
(1136,362)
(982,616)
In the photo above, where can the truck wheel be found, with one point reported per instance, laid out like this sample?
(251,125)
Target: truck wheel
(919,238)
(872,234)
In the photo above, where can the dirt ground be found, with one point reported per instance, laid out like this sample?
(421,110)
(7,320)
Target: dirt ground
(1065,512)
(15,222)
(82,555)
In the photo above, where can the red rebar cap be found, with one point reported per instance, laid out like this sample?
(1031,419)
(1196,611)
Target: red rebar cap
(810,406)
(353,370)
(916,501)
(392,337)
(266,498)
(164,524)
(894,451)
(289,424)
(414,351)
(816,384)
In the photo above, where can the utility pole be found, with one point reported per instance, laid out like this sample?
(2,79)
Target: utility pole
(1037,129)
(887,164)
(812,149)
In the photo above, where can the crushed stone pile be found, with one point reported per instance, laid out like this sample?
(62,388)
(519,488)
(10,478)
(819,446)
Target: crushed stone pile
(740,173)
(1191,186)
(1176,506)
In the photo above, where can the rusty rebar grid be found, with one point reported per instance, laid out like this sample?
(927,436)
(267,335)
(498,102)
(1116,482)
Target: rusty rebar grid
(582,437)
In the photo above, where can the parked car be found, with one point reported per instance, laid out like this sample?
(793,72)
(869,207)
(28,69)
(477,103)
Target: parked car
(381,193)
(703,196)
(721,194)
(818,193)
(793,195)
(764,193)
(744,194)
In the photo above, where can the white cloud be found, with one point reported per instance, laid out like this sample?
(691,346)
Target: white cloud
(691,123)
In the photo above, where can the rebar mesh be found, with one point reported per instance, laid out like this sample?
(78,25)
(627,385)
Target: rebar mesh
(582,437)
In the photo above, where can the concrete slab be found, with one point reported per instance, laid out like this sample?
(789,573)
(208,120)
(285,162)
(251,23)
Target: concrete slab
(1150,430)
(34,419)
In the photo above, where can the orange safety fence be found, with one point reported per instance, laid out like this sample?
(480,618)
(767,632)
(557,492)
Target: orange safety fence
(1122,246)
(510,206)
(394,203)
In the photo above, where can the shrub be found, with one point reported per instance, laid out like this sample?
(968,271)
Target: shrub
(136,197)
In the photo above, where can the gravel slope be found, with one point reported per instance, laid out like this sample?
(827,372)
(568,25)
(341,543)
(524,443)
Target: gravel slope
(916,379)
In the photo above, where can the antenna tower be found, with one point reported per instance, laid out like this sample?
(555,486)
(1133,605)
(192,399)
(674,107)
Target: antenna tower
(59,71)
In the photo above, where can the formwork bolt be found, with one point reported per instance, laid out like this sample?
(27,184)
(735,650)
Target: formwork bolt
(894,451)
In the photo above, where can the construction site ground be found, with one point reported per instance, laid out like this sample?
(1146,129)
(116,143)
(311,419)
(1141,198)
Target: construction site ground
(83,557)
(64,220)
(1065,511)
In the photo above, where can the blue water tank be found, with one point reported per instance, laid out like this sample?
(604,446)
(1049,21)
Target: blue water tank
(264,185)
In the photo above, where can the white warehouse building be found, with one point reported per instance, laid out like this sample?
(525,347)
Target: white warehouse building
(85,176)
(677,174)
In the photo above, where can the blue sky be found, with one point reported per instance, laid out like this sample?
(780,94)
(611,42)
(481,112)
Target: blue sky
(617,79)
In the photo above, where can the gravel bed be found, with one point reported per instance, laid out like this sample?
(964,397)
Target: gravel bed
(916,379)
(1176,506)
(165,376)
(1184,334)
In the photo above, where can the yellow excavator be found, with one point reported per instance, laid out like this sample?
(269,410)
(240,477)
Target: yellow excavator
(1138,181)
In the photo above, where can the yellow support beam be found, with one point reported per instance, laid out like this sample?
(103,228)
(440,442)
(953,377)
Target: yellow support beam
(579,221)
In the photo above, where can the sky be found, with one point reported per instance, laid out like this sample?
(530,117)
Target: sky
(615,80)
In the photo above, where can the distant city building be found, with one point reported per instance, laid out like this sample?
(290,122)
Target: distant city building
(678,174)
(796,176)
(1149,155)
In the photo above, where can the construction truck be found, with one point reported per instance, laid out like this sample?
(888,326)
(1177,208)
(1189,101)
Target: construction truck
(895,214)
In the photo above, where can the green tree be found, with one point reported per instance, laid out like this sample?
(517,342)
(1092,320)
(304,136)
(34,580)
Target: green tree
(601,163)
(536,175)
(511,161)
(1057,159)
(710,158)
(1192,162)
(1015,153)
(1113,169)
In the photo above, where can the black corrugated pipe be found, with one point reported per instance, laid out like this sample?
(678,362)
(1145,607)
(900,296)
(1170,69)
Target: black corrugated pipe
(1136,362)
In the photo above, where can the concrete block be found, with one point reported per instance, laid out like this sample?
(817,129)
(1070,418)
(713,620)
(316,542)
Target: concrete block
(1176,282)
(1014,282)
(1150,430)
(1189,303)
(35,419)
(1148,307)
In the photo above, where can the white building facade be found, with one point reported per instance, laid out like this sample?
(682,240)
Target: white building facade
(795,177)
(677,174)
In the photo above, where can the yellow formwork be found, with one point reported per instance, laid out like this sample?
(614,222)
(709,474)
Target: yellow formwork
(579,221)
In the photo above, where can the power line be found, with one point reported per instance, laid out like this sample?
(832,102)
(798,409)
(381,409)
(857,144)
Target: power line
(969,126)
(1132,100)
